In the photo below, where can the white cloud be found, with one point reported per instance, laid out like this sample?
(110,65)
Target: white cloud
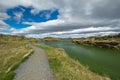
(34,11)
(3,25)
(3,16)
(18,16)
(38,26)
(44,29)
(75,17)
(38,4)
(90,29)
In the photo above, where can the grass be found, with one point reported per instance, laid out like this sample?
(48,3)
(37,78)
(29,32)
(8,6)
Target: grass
(110,41)
(66,68)
(50,39)
(13,51)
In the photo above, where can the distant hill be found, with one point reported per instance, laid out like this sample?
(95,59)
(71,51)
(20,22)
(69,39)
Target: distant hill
(51,39)
(4,37)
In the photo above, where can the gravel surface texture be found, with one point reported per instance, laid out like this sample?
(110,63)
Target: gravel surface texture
(36,67)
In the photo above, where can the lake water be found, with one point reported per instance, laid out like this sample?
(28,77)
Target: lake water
(99,60)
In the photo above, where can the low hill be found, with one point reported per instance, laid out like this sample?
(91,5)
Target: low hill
(110,41)
(51,39)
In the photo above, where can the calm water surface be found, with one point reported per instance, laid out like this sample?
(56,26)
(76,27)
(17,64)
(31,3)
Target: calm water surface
(99,60)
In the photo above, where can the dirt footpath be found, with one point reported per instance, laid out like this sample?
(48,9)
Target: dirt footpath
(36,67)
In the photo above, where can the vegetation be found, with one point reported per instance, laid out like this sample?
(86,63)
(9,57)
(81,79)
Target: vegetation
(13,51)
(66,68)
(51,39)
(110,41)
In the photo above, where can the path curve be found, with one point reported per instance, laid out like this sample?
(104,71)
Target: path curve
(36,67)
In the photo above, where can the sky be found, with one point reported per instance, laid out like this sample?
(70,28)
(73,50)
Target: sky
(59,18)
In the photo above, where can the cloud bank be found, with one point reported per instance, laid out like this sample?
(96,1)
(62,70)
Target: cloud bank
(79,18)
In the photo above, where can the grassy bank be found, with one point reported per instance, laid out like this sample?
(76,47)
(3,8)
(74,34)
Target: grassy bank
(50,39)
(13,51)
(66,68)
(110,41)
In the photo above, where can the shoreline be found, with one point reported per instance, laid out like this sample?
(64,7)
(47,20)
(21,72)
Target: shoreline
(65,67)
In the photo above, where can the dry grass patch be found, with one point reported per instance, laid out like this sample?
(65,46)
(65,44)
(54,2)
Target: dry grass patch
(12,53)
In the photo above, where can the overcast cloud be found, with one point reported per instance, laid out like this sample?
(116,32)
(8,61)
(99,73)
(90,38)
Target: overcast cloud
(77,18)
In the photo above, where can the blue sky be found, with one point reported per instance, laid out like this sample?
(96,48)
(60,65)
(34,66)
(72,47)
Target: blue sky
(27,16)
(59,18)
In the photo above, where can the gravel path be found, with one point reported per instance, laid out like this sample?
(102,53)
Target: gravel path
(36,67)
